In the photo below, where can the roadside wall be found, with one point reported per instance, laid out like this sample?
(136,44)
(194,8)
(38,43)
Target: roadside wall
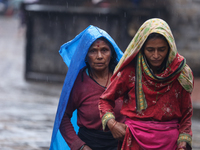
(184,21)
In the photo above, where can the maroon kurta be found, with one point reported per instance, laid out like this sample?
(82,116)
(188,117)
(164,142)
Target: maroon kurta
(85,98)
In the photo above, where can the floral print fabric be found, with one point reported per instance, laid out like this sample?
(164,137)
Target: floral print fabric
(155,26)
(160,97)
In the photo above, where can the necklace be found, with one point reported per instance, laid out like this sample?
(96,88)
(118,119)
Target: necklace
(97,82)
(107,80)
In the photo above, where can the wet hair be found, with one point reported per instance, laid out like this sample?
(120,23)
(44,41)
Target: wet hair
(156,36)
(113,59)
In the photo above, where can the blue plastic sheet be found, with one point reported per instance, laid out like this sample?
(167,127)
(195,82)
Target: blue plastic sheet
(73,54)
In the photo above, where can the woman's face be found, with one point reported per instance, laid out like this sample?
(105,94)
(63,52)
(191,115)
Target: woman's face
(99,56)
(155,50)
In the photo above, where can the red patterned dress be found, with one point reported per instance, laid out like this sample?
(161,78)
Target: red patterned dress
(158,107)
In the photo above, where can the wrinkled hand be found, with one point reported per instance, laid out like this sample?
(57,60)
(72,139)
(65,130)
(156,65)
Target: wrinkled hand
(118,130)
(86,148)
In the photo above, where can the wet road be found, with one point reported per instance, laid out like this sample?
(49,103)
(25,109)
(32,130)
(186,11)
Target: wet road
(27,109)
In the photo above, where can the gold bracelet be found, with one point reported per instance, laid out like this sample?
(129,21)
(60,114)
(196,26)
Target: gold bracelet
(113,125)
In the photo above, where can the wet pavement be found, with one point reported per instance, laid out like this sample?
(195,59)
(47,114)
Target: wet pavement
(28,109)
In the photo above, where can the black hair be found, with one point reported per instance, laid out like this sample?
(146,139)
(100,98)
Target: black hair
(113,60)
(156,36)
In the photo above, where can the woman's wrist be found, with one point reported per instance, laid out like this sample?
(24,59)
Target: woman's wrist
(182,146)
(82,147)
(110,123)
(113,125)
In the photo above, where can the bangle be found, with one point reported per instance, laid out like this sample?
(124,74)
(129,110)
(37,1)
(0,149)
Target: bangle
(181,147)
(113,125)
(82,147)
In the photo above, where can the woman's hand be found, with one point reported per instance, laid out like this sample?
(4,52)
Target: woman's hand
(181,146)
(86,148)
(117,129)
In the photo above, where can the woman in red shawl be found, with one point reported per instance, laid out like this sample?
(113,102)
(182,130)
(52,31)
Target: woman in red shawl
(156,85)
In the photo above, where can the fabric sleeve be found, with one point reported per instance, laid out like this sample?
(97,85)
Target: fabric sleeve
(116,89)
(66,127)
(185,131)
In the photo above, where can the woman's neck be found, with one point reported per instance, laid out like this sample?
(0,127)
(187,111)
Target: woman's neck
(154,69)
(101,77)
(98,74)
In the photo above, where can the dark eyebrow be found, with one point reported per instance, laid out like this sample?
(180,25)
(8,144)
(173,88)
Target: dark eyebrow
(163,47)
(92,49)
(150,48)
(158,47)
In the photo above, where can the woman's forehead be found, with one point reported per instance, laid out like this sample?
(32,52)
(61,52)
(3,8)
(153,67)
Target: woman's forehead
(99,42)
(156,41)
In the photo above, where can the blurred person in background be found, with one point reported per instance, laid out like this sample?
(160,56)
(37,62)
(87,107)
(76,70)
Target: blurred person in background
(156,84)
(91,56)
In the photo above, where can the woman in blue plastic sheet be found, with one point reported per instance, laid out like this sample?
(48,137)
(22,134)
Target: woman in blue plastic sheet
(91,58)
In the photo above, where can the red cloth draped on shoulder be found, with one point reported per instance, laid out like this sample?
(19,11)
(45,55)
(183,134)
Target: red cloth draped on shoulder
(165,96)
